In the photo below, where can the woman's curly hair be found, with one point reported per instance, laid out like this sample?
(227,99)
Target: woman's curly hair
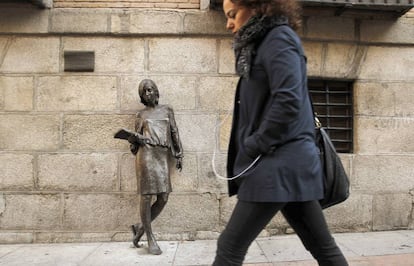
(291,9)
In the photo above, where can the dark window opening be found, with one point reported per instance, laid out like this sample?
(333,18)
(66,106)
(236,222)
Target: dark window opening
(333,102)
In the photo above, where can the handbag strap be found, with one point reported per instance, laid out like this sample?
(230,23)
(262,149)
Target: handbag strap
(318,123)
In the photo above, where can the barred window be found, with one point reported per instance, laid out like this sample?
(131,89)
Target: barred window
(333,102)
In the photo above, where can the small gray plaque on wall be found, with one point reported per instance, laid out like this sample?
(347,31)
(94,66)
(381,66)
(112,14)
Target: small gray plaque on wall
(79,61)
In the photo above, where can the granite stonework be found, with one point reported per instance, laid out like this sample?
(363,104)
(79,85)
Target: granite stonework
(65,179)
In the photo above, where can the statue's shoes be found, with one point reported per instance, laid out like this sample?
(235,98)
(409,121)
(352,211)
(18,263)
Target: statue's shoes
(138,231)
(154,250)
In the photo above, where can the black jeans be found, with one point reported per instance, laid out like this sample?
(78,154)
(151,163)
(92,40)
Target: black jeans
(249,219)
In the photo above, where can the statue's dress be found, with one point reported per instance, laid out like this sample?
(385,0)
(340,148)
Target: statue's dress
(153,159)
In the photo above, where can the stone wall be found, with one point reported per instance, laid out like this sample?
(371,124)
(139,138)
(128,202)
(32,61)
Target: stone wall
(64,178)
(181,4)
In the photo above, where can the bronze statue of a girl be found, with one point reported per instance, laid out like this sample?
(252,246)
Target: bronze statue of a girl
(154,142)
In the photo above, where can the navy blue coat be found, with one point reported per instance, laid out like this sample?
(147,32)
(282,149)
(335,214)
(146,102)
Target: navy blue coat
(273,117)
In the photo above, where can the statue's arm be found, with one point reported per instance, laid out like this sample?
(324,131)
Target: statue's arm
(175,136)
(177,147)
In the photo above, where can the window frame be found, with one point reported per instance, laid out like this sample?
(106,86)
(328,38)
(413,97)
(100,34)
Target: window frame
(333,103)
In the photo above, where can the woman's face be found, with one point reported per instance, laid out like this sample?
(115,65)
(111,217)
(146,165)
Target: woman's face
(236,15)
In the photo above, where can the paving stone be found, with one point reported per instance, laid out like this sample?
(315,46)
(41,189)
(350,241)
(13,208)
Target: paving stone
(284,248)
(125,254)
(42,255)
(377,243)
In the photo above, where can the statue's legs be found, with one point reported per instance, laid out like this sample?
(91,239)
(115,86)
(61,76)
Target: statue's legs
(156,208)
(148,214)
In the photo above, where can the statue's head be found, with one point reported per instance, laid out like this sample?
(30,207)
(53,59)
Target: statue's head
(148,92)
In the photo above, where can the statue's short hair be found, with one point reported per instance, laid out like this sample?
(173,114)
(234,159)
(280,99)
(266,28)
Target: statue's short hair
(141,87)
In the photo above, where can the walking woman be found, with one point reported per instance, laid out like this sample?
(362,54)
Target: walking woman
(272,119)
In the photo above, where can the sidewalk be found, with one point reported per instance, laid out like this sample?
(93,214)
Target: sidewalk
(391,248)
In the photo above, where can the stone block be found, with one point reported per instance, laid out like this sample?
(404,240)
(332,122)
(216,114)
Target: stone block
(217,93)
(213,22)
(130,99)
(23,20)
(95,132)
(224,131)
(383,173)
(16,238)
(112,55)
(78,172)
(186,180)
(207,180)
(100,212)
(207,235)
(4,42)
(314,52)
(392,211)
(384,134)
(182,55)
(127,174)
(186,212)
(403,98)
(17,93)
(196,131)
(29,132)
(1,99)
(76,93)
(155,22)
(121,236)
(63,21)
(17,171)
(75,237)
(120,22)
(177,91)
(2,203)
(346,159)
(31,212)
(334,28)
(388,63)
(377,99)
(388,31)
(226,57)
(384,99)
(31,55)
(354,214)
(342,60)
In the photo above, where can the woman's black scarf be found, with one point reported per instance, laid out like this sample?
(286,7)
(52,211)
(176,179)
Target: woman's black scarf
(249,36)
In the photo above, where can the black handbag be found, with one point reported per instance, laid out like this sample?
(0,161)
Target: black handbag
(336,181)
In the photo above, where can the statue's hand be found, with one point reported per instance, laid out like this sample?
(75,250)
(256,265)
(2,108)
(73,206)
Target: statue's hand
(133,148)
(145,140)
(179,164)
(139,139)
(132,139)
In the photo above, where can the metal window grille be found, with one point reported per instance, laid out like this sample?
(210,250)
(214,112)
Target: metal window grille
(333,102)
